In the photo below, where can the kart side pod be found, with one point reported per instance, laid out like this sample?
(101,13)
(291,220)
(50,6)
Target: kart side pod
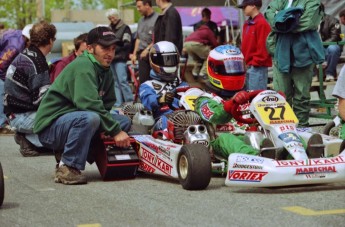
(253,171)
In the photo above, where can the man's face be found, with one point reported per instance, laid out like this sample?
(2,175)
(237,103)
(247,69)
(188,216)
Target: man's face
(142,9)
(113,19)
(248,10)
(342,20)
(104,55)
(82,47)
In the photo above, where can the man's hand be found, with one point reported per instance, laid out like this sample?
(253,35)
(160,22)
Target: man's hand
(167,98)
(122,139)
(133,58)
(241,97)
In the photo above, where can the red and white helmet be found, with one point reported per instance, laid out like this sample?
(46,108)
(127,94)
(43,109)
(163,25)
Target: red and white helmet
(164,60)
(226,68)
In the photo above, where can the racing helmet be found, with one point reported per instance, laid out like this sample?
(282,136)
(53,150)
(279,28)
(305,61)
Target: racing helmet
(164,59)
(226,68)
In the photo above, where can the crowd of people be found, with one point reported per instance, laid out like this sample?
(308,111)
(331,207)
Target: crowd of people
(62,106)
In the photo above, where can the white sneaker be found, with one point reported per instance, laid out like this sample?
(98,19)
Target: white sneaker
(330,78)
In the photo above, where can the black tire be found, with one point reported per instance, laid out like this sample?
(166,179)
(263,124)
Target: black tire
(331,129)
(194,167)
(2,186)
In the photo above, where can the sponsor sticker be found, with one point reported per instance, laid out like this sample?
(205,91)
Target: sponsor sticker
(249,176)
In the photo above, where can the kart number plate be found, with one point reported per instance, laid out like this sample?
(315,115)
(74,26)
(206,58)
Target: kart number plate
(276,113)
(189,100)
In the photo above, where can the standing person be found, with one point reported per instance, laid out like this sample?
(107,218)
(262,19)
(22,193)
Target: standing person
(296,47)
(143,40)
(27,80)
(122,32)
(168,26)
(254,35)
(198,45)
(339,93)
(11,44)
(77,106)
(206,20)
(342,16)
(330,31)
(79,47)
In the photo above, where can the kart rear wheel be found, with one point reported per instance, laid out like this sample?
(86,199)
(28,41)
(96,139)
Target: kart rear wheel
(2,186)
(194,167)
(331,129)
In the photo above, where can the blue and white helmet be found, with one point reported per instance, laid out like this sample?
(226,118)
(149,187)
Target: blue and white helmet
(164,59)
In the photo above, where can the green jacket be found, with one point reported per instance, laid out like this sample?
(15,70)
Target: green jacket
(309,20)
(84,85)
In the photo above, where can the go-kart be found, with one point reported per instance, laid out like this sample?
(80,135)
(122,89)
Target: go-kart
(189,163)
(2,186)
(277,121)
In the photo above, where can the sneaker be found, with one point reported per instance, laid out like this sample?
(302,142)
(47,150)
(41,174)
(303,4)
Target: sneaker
(195,75)
(330,78)
(69,175)
(315,146)
(203,78)
(26,148)
(267,149)
(6,129)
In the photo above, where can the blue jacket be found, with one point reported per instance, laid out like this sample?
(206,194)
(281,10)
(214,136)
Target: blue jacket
(152,90)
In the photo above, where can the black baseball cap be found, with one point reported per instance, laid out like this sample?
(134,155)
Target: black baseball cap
(103,36)
(245,3)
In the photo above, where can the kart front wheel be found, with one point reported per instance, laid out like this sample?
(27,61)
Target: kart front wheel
(194,167)
(2,186)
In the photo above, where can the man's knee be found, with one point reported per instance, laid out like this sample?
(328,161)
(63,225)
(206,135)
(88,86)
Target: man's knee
(92,119)
(333,49)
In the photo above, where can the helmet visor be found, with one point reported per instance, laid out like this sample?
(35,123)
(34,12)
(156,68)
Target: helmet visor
(165,59)
(227,67)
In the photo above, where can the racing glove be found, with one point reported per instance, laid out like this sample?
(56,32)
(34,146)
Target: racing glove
(167,98)
(240,97)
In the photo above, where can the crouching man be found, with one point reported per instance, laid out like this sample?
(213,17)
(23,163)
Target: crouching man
(77,106)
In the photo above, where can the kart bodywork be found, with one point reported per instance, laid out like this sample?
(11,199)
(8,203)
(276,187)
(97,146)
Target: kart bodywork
(278,122)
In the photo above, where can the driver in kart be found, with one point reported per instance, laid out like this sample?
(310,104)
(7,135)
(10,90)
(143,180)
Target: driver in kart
(159,95)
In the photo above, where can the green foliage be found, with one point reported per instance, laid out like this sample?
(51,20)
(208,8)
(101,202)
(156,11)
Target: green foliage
(18,13)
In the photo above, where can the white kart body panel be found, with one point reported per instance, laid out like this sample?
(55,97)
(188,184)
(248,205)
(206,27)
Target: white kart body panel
(253,171)
(158,156)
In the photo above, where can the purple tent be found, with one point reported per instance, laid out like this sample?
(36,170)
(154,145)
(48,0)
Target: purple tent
(191,15)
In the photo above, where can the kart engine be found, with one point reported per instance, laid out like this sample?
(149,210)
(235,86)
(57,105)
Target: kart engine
(131,109)
(181,120)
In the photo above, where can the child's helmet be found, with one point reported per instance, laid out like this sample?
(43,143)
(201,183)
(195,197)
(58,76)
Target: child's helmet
(164,59)
(225,68)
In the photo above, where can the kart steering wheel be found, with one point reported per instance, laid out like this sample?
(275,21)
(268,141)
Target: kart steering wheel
(238,115)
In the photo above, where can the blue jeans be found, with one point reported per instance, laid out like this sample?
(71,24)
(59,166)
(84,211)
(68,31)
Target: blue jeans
(24,123)
(256,78)
(2,115)
(333,53)
(72,133)
(123,92)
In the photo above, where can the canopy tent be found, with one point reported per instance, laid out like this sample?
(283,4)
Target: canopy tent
(192,15)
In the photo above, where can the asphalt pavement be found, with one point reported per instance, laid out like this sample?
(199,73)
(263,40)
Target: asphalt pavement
(33,199)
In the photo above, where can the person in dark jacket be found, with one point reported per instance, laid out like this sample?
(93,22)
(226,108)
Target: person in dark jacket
(79,47)
(330,31)
(27,80)
(168,26)
(198,45)
(123,33)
